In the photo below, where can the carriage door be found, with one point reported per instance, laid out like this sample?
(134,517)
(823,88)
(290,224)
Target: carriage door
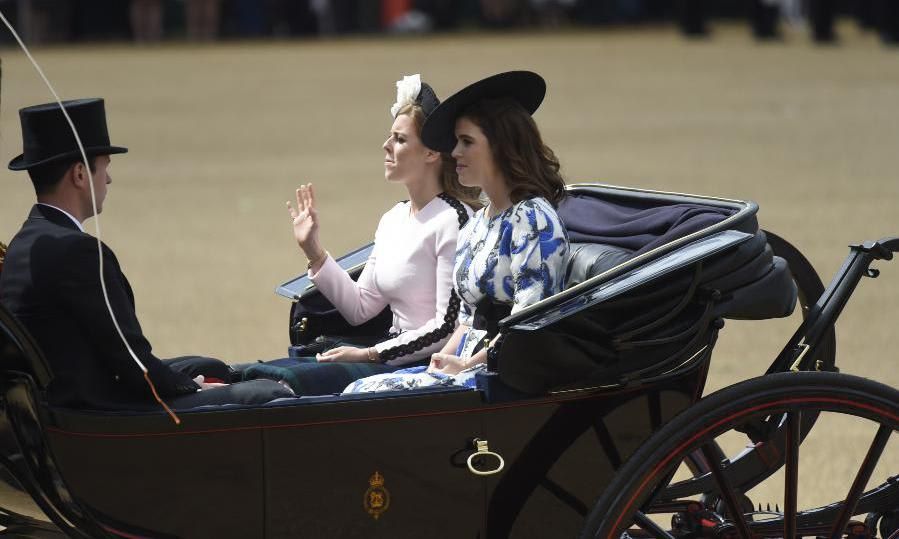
(559,455)
(377,467)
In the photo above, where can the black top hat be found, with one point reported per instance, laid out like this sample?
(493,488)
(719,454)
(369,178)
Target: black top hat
(47,137)
(526,87)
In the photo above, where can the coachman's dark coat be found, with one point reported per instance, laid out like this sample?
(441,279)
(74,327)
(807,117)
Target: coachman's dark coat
(50,281)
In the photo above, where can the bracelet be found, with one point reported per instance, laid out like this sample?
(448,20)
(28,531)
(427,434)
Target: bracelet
(315,261)
(372,354)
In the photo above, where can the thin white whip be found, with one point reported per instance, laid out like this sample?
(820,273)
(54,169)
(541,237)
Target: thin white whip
(96,213)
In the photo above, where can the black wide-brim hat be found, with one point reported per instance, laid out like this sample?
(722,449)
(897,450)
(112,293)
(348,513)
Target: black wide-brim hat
(47,137)
(525,87)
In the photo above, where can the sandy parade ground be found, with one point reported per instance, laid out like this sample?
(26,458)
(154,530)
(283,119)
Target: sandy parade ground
(220,135)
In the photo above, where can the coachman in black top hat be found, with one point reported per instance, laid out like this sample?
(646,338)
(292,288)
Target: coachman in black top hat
(50,280)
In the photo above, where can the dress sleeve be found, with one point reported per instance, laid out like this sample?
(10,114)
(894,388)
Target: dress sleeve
(538,250)
(358,301)
(434,333)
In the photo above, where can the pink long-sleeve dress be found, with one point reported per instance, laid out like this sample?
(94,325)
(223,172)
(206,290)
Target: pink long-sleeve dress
(410,269)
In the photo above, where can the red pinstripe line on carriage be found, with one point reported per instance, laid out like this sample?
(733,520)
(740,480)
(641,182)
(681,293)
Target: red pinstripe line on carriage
(330,421)
(667,459)
(120,533)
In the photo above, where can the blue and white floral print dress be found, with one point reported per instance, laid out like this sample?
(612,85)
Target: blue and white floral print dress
(517,257)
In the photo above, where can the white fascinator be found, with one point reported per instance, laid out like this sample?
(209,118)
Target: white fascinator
(407,91)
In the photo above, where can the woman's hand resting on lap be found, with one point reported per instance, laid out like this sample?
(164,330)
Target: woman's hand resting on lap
(446,364)
(347,354)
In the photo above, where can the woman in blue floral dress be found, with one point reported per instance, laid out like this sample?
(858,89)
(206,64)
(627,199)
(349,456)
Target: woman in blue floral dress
(512,253)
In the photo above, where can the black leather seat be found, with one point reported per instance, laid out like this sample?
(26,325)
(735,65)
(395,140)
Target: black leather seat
(586,260)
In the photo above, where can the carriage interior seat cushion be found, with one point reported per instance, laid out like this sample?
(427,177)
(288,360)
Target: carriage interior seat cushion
(586,260)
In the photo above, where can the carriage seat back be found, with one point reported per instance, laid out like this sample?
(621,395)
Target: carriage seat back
(19,351)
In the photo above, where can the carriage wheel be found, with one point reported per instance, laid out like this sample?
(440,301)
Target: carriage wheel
(635,503)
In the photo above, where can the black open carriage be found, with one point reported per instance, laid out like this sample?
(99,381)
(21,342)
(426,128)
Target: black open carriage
(591,403)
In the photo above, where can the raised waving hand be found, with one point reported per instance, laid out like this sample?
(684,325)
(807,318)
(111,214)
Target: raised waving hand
(305,226)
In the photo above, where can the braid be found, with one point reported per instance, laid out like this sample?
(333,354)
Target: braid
(452,310)
(456,205)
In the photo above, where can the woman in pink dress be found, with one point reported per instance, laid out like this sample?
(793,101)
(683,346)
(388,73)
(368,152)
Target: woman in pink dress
(410,268)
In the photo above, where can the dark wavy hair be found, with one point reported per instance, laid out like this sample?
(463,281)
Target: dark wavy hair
(529,166)
(449,180)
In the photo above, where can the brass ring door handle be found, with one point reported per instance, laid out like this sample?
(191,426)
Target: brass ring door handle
(484,451)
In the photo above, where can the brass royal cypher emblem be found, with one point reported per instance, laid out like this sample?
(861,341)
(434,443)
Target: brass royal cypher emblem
(377,498)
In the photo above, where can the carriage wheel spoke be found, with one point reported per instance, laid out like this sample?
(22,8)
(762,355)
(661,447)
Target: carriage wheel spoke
(607,443)
(640,519)
(861,479)
(727,493)
(794,420)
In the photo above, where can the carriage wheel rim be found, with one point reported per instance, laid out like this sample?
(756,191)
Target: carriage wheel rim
(664,463)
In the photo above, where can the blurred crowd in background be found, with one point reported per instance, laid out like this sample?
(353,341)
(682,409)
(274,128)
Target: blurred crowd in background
(206,20)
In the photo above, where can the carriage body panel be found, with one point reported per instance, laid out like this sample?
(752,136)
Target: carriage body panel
(308,467)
